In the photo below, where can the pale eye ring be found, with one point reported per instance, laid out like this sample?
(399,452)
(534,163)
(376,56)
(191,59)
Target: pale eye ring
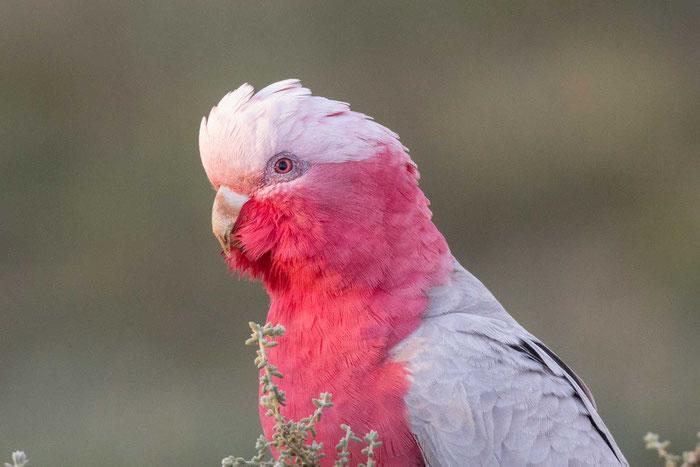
(283,165)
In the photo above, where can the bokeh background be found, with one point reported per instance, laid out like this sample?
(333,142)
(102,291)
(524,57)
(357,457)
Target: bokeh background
(559,143)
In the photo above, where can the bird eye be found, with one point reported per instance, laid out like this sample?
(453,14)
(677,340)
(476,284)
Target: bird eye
(283,165)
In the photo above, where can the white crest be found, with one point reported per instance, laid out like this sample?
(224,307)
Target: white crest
(244,130)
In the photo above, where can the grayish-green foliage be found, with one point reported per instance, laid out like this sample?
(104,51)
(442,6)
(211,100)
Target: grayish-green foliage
(19,459)
(689,458)
(292,439)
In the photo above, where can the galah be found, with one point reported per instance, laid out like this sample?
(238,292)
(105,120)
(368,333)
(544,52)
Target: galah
(322,204)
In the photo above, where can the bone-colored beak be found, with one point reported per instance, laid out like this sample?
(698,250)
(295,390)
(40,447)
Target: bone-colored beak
(227,205)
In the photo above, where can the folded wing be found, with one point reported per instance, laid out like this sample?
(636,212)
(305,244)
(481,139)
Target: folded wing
(486,392)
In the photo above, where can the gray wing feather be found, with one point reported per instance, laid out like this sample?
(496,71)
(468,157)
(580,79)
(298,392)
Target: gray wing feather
(486,392)
(560,369)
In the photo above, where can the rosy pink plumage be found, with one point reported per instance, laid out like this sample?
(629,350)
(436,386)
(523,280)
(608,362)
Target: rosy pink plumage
(323,205)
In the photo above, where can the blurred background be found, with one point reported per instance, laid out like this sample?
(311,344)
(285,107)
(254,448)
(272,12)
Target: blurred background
(559,143)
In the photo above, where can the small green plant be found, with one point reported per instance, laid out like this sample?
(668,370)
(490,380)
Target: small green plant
(292,439)
(690,458)
(19,459)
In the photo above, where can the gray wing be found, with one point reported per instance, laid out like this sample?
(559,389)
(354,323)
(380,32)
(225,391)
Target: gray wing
(486,392)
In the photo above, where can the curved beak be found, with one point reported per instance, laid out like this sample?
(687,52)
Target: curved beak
(227,205)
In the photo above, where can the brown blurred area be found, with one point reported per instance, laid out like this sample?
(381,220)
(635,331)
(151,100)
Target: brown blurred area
(558,142)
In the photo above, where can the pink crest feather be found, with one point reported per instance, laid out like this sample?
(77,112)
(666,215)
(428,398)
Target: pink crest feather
(244,130)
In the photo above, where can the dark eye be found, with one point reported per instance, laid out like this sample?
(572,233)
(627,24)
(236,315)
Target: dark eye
(283,165)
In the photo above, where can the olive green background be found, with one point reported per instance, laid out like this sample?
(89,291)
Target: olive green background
(559,143)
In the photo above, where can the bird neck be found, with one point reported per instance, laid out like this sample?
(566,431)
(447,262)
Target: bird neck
(352,286)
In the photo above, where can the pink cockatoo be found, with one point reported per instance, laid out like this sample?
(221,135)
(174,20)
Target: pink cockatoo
(323,205)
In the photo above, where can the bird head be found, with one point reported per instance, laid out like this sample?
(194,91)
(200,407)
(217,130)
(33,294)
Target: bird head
(307,189)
